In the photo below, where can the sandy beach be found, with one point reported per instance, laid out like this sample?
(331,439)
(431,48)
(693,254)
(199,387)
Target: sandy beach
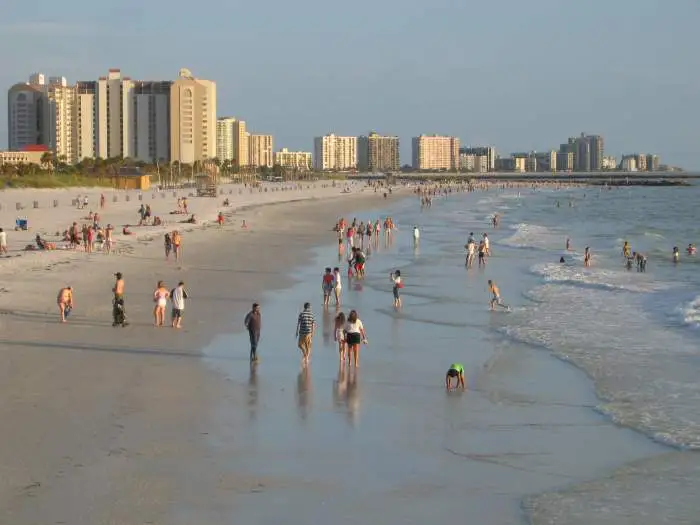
(108,425)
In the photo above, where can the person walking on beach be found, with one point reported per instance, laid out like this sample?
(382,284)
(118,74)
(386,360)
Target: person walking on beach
(496,296)
(395,278)
(471,250)
(178,296)
(456,370)
(177,241)
(108,239)
(102,200)
(168,244)
(306,328)
(327,285)
(65,302)
(118,311)
(3,242)
(253,323)
(160,297)
(338,285)
(339,336)
(354,336)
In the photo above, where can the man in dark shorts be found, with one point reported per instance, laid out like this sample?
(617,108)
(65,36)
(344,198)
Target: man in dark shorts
(456,370)
(253,322)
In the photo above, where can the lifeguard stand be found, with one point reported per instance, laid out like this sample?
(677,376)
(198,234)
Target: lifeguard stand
(207,182)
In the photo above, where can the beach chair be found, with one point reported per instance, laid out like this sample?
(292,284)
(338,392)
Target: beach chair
(21,224)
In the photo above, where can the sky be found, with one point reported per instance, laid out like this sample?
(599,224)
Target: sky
(518,75)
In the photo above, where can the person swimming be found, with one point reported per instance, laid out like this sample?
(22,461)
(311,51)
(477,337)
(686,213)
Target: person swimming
(456,371)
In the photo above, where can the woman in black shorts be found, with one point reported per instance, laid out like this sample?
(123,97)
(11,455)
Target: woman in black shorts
(354,335)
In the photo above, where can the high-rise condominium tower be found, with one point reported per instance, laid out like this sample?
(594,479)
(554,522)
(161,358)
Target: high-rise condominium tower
(260,150)
(192,119)
(332,152)
(232,141)
(434,152)
(377,153)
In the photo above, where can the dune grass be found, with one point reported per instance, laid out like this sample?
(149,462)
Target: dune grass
(59,180)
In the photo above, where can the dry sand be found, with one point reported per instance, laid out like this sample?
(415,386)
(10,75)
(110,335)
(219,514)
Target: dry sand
(106,425)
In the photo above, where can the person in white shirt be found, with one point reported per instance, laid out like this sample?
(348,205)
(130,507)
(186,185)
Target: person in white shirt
(338,285)
(178,296)
(398,284)
(487,245)
(354,335)
(3,241)
(416,235)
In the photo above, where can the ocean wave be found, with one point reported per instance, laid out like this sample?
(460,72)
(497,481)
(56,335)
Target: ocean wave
(534,236)
(691,313)
(597,278)
(645,375)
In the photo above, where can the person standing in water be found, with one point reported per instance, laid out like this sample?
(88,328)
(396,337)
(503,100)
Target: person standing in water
(253,322)
(456,371)
(587,257)
(496,296)
(416,236)
(676,254)
(354,335)
(398,284)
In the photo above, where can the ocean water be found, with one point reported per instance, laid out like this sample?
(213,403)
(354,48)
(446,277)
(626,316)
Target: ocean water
(577,444)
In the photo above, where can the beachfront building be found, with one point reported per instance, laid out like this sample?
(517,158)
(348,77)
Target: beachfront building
(588,150)
(232,141)
(435,152)
(545,161)
(114,129)
(652,163)
(25,118)
(378,153)
(472,163)
(482,151)
(565,161)
(151,112)
(15,158)
(61,119)
(295,160)
(260,150)
(332,152)
(629,163)
(86,120)
(192,119)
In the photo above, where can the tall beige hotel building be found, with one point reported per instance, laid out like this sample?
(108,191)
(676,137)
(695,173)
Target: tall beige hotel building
(377,153)
(435,152)
(116,116)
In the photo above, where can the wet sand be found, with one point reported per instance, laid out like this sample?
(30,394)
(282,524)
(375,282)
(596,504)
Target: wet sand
(387,443)
(110,425)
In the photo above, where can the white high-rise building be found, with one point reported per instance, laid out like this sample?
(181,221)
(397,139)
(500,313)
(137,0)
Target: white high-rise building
(299,160)
(260,150)
(61,117)
(86,120)
(114,107)
(435,152)
(224,138)
(332,152)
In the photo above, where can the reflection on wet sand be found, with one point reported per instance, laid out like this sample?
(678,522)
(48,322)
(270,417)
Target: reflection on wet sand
(304,391)
(346,392)
(327,326)
(253,391)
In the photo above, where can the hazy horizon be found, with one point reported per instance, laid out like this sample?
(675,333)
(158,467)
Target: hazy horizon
(518,76)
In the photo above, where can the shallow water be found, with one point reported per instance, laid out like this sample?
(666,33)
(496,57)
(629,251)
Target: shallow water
(386,442)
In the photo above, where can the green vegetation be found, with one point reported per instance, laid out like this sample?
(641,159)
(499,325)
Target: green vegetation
(59,180)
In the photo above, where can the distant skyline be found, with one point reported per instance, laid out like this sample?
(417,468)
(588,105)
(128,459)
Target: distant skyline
(519,75)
